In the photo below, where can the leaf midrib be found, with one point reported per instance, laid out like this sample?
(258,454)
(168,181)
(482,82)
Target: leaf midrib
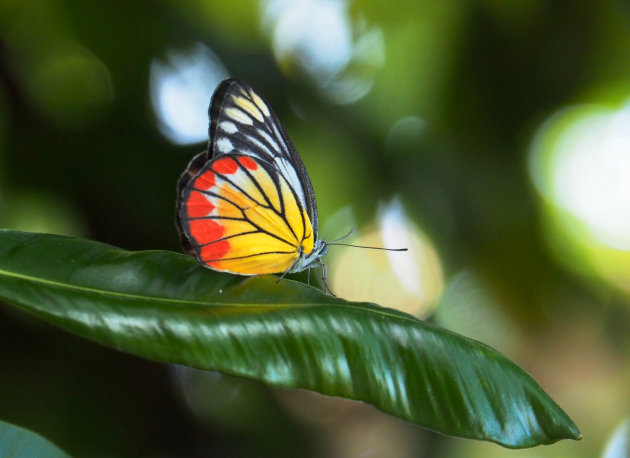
(166,300)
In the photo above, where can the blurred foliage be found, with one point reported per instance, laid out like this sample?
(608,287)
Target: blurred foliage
(445,121)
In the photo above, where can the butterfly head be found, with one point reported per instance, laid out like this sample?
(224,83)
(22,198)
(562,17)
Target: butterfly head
(304,261)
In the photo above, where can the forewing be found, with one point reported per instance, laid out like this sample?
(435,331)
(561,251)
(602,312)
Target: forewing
(241,121)
(238,214)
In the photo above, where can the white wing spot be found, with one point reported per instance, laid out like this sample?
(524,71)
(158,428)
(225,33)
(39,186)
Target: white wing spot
(239,116)
(270,140)
(229,127)
(248,107)
(261,146)
(259,103)
(277,134)
(224,144)
(288,171)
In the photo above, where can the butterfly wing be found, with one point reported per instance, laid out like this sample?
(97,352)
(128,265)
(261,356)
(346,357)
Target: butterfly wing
(241,121)
(238,213)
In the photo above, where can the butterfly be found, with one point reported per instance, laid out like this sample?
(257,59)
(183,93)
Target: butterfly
(246,205)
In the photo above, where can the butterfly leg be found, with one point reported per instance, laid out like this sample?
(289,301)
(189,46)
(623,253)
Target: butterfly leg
(288,270)
(324,276)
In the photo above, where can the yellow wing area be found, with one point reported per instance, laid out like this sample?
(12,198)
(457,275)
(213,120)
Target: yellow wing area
(256,224)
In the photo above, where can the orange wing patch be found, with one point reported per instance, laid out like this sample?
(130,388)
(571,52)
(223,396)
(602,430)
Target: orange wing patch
(240,215)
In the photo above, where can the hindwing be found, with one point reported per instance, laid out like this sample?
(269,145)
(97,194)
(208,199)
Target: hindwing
(239,214)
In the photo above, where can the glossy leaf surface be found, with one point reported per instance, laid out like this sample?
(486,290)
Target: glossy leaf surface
(165,307)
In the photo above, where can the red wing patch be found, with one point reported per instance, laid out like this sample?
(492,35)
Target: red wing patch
(214,251)
(198,205)
(225,165)
(248,162)
(206,230)
(205,181)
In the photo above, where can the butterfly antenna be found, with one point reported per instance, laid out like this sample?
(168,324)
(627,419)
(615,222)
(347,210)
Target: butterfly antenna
(368,247)
(343,236)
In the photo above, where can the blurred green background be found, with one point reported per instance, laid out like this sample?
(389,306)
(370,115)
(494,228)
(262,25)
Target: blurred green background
(492,138)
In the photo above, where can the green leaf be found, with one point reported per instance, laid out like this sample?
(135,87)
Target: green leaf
(19,442)
(166,307)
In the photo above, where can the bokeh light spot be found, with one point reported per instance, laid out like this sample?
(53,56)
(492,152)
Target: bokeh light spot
(580,164)
(181,87)
(297,32)
(468,308)
(321,38)
(405,133)
(618,445)
(410,280)
(71,85)
(591,180)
